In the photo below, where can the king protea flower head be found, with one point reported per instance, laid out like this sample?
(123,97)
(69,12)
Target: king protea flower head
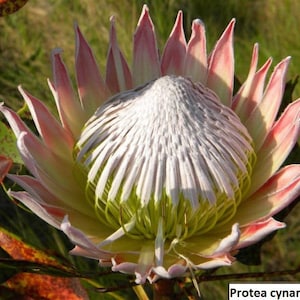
(159,169)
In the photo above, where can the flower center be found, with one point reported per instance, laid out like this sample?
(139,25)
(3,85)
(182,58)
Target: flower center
(168,150)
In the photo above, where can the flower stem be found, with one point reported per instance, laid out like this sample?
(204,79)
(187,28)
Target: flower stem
(140,292)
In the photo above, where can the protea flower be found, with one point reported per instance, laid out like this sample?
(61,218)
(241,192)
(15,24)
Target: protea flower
(159,170)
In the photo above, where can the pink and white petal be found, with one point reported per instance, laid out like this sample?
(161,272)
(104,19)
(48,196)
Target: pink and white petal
(246,87)
(248,98)
(196,57)
(142,268)
(159,251)
(52,217)
(216,262)
(277,193)
(69,109)
(262,118)
(141,276)
(36,189)
(216,243)
(277,145)
(251,92)
(124,267)
(91,87)
(83,243)
(54,205)
(43,159)
(116,237)
(56,212)
(177,270)
(89,253)
(145,262)
(173,57)
(89,224)
(54,136)
(146,65)
(5,165)
(173,271)
(221,66)
(255,232)
(15,122)
(227,243)
(20,129)
(57,207)
(118,75)
(53,172)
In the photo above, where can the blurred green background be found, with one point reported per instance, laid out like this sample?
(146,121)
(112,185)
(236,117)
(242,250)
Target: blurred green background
(28,36)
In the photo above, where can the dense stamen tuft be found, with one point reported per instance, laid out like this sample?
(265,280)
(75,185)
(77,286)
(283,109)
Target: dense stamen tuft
(167,149)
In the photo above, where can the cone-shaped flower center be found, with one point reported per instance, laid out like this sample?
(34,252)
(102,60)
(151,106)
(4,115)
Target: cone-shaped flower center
(168,150)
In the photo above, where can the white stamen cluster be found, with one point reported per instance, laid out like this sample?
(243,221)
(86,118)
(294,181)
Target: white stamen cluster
(170,138)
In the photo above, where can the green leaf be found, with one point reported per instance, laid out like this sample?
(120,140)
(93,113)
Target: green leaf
(9,294)
(6,272)
(8,144)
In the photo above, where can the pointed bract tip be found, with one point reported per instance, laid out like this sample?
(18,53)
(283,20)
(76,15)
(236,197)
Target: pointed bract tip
(145,8)
(78,34)
(112,19)
(283,64)
(56,57)
(230,26)
(22,91)
(79,38)
(198,22)
(112,29)
(228,32)
(179,18)
(198,28)
(145,16)
(76,26)
(178,26)
(254,60)
(145,11)
(255,51)
(288,59)
(56,51)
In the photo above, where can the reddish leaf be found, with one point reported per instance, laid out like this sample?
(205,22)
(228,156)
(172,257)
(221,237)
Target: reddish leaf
(10,6)
(38,286)
(47,287)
